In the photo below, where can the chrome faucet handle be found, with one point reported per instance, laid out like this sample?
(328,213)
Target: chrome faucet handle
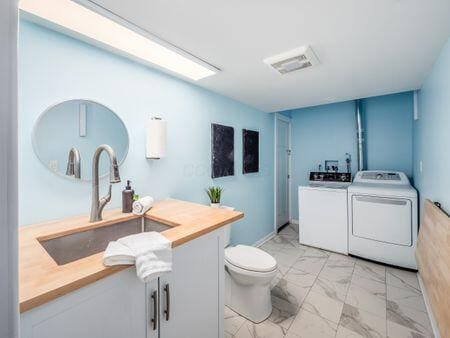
(107,198)
(104,200)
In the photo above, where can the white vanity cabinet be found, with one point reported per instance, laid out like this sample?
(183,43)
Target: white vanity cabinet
(113,307)
(191,296)
(121,306)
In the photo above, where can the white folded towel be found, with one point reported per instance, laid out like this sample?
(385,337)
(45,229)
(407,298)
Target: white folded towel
(145,242)
(142,205)
(153,254)
(118,254)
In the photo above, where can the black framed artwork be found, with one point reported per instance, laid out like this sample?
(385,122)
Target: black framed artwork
(250,151)
(222,150)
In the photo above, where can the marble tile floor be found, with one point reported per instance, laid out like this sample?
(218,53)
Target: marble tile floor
(323,294)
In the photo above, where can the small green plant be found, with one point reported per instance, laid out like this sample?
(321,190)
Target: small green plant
(214,194)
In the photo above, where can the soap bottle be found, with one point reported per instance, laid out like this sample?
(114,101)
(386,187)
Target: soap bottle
(127,199)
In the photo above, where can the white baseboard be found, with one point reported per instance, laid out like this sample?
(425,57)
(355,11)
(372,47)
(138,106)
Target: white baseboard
(264,239)
(429,309)
(294,221)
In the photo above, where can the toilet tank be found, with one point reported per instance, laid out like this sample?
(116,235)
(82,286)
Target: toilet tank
(227,229)
(227,235)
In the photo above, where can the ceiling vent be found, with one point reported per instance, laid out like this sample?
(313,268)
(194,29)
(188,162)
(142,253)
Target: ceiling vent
(296,59)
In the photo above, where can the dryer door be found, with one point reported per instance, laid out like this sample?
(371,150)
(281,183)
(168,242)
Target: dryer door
(382,219)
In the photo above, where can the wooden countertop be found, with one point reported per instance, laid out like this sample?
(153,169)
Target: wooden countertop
(42,280)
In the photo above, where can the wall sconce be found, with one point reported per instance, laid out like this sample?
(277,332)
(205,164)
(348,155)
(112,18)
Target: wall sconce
(156,134)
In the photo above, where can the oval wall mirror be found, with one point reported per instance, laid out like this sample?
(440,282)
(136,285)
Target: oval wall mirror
(66,135)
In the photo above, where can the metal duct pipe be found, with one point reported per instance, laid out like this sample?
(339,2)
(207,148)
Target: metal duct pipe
(359,134)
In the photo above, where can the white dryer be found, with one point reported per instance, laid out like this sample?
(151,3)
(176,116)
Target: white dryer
(382,211)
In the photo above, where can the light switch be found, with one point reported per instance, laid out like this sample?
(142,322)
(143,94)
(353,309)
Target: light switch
(420,166)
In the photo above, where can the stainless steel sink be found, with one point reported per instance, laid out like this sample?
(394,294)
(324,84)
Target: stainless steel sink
(150,225)
(66,249)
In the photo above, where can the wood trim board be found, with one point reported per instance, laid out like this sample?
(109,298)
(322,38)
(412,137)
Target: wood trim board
(433,261)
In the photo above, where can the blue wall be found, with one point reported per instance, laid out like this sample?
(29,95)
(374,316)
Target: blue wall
(329,131)
(320,133)
(432,133)
(388,122)
(53,68)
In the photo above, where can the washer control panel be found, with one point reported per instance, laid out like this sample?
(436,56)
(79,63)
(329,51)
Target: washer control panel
(316,176)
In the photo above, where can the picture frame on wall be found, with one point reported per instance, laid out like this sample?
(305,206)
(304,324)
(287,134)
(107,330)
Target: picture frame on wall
(250,151)
(222,150)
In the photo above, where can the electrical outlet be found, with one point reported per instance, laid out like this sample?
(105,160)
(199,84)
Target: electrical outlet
(53,165)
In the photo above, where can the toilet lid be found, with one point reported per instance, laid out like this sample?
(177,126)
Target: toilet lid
(250,258)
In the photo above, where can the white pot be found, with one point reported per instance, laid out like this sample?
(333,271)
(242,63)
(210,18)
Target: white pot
(215,205)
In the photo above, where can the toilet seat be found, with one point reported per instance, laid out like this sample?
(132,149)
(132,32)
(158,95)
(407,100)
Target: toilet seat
(255,276)
(250,259)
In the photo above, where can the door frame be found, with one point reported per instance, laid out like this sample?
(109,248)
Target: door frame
(9,321)
(279,117)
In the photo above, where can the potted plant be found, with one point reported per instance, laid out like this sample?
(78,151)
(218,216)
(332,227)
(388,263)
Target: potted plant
(214,194)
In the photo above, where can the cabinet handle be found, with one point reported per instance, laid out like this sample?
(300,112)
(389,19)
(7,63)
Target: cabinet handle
(167,310)
(154,320)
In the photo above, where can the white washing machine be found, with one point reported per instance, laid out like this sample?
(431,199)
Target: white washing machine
(382,218)
(323,211)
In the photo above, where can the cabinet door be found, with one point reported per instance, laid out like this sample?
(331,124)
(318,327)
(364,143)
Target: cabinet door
(152,305)
(113,307)
(191,295)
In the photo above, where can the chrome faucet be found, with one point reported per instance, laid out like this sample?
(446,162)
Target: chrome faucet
(74,163)
(114,177)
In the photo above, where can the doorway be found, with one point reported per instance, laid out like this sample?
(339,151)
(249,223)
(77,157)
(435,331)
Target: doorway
(282,170)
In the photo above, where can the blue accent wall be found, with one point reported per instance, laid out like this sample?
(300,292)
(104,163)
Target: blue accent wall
(432,133)
(54,68)
(327,132)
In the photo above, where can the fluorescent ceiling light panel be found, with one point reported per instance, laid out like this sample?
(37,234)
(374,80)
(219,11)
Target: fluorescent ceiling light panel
(93,26)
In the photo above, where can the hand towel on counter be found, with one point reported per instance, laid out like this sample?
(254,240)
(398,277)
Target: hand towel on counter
(153,254)
(118,254)
(142,205)
(145,242)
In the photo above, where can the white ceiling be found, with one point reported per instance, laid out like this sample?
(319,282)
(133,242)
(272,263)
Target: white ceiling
(365,47)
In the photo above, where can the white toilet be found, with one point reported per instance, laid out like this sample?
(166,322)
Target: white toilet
(249,272)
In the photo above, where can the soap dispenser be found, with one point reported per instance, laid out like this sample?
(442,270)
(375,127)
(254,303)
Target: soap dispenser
(127,199)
